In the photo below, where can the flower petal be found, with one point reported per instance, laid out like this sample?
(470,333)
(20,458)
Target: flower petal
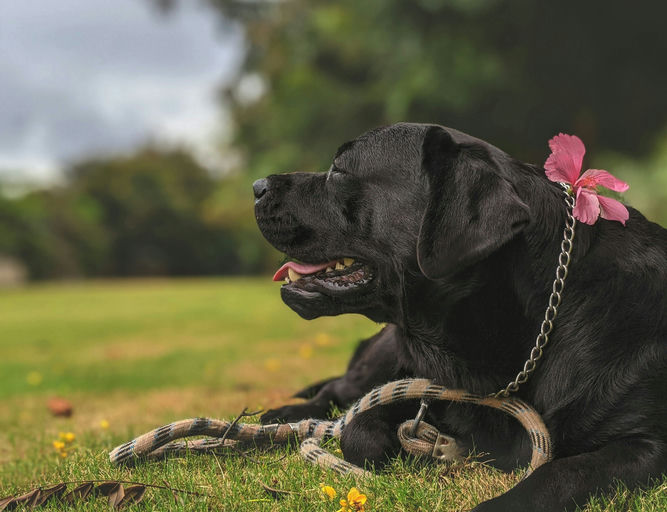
(570,162)
(587,207)
(595,177)
(611,209)
(328,491)
(558,167)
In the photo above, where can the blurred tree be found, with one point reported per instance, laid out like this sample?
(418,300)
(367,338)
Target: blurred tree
(51,235)
(232,206)
(151,206)
(513,72)
(22,233)
(317,73)
(151,213)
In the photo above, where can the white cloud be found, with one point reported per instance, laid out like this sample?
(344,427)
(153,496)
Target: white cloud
(79,77)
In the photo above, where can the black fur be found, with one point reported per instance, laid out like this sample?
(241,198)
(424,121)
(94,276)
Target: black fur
(462,242)
(374,363)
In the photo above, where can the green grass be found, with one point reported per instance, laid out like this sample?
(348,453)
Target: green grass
(139,354)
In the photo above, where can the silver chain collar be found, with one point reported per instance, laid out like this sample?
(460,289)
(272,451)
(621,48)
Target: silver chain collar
(554,300)
(550,314)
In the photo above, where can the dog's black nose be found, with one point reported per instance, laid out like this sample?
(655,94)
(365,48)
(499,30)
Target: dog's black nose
(259,188)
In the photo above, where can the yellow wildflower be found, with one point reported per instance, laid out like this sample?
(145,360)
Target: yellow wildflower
(355,501)
(104,424)
(68,437)
(272,364)
(60,447)
(322,339)
(328,491)
(305,351)
(62,444)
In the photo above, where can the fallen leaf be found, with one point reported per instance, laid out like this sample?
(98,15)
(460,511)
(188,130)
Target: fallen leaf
(105,488)
(116,495)
(113,490)
(34,499)
(133,494)
(49,493)
(60,407)
(4,502)
(79,493)
(173,493)
(12,502)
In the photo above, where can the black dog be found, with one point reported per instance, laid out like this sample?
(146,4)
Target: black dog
(455,243)
(374,363)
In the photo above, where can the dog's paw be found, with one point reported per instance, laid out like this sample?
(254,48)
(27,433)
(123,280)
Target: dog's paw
(294,413)
(369,441)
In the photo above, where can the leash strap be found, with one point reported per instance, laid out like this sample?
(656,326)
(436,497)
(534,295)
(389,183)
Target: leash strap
(427,440)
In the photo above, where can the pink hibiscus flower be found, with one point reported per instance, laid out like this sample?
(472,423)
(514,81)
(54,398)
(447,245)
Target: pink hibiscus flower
(564,165)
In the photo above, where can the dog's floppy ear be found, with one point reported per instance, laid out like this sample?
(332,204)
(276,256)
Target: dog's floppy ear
(471,211)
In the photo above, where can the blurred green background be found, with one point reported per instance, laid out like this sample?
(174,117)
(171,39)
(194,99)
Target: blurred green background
(309,75)
(130,134)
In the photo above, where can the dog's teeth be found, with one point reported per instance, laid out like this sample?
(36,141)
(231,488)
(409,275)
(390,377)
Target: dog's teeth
(348,261)
(293,275)
(339,266)
(329,269)
(287,280)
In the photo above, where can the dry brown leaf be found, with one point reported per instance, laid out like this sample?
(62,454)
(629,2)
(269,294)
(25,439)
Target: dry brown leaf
(173,493)
(14,501)
(45,495)
(133,494)
(106,488)
(116,495)
(60,406)
(34,499)
(79,493)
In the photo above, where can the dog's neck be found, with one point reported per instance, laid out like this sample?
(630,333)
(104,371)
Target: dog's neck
(475,329)
(537,248)
(464,331)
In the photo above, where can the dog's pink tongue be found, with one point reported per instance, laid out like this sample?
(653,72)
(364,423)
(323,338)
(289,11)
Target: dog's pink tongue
(301,268)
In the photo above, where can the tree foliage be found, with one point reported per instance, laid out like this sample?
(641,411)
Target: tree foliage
(145,214)
(317,73)
(513,72)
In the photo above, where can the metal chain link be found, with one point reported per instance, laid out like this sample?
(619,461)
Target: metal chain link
(554,299)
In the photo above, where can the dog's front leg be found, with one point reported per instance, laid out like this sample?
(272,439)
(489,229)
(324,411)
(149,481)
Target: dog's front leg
(565,483)
(371,439)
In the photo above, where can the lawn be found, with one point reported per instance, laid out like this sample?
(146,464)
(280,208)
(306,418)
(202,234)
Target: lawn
(132,355)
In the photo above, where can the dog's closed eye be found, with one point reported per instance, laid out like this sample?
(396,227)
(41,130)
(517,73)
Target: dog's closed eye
(334,172)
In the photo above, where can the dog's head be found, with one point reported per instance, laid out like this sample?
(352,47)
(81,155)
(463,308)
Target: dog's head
(399,205)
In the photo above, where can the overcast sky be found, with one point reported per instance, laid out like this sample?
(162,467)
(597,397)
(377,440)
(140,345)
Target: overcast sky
(83,77)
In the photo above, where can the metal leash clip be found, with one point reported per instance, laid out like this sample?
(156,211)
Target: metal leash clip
(423,406)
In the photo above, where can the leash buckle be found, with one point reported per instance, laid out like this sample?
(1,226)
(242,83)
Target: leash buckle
(423,406)
(446,448)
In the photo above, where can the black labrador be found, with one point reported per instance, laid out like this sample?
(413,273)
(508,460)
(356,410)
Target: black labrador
(373,363)
(455,243)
